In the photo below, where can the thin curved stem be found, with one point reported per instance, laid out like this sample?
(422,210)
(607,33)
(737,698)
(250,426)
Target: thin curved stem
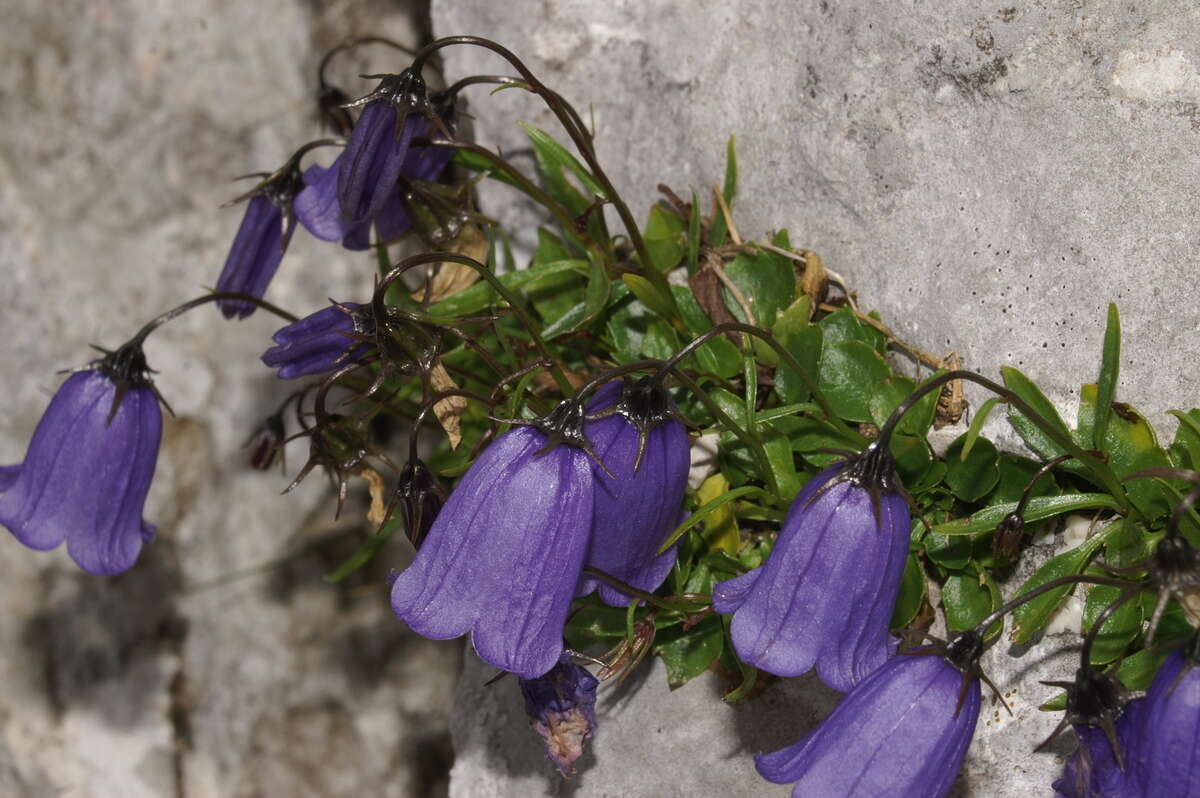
(1098,468)
(527,321)
(569,119)
(1053,584)
(428,405)
(350,45)
(1041,472)
(215,296)
(1085,654)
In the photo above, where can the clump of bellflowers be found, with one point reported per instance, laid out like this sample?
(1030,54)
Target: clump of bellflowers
(558,509)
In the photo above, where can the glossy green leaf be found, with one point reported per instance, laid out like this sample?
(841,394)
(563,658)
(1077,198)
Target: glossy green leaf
(842,325)
(968,602)
(1131,446)
(707,509)
(719,230)
(690,654)
(766,280)
(1118,631)
(664,238)
(973,478)
(1186,447)
(644,290)
(554,163)
(952,553)
(1137,670)
(1110,366)
(1037,510)
(718,355)
(911,596)
(850,375)
(693,237)
(1033,615)
(481,295)
(973,431)
(1034,437)
(592,622)
(805,345)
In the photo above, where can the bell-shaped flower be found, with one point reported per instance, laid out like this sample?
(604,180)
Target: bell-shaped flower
(261,240)
(902,732)
(322,341)
(502,560)
(1165,758)
(1094,770)
(638,501)
(87,471)
(318,208)
(371,164)
(561,705)
(826,593)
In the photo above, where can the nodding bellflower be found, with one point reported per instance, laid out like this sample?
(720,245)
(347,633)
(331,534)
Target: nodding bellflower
(322,341)
(826,593)
(1094,771)
(1165,757)
(902,732)
(320,212)
(261,240)
(502,560)
(645,449)
(88,467)
(561,705)
(370,166)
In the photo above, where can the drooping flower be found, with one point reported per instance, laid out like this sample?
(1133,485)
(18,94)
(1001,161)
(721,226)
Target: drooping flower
(1165,757)
(902,732)
(88,467)
(261,240)
(370,166)
(318,207)
(1094,771)
(322,341)
(638,501)
(826,593)
(502,560)
(561,705)
(419,497)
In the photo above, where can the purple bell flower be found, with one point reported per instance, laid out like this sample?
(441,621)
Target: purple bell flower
(638,502)
(88,469)
(261,240)
(320,213)
(1165,758)
(502,560)
(561,705)
(321,341)
(826,593)
(1093,770)
(371,164)
(902,732)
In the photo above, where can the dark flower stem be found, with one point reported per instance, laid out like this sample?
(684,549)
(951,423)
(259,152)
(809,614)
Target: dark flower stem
(215,296)
(573,125)
(1101,471)
(1029,486)
(629,589)
(428,405)
(380,309)
(1071,579)
(767,337)
(352,44)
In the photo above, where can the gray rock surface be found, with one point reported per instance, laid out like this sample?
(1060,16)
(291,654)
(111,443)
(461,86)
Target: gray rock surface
(197,673)
(988,176)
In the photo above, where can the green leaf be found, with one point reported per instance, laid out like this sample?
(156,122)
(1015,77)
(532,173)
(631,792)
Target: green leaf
(1118,631)
(718,230)
(1137,670)
(911,596)
(592,622)
(689,655)
(913,457)
(805,345)
(644,290)
(1034,614)
(1034,437)
(973,478)
(1037,510)
(660,341)
(1110,365)
(977,426)
(664,238)
(707,509)
(952,553)
(693,237)
(850,375)
(481,295)
(554,162)
(718,355)
(479,163)
(842,325)
(767,281)
(1131,446)
(1186,447)
(968,602)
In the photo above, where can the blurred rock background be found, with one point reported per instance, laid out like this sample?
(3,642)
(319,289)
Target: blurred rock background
(988,176)
(222,664)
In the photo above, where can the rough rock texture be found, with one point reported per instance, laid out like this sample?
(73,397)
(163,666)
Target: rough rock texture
(197,673)
(988,176)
